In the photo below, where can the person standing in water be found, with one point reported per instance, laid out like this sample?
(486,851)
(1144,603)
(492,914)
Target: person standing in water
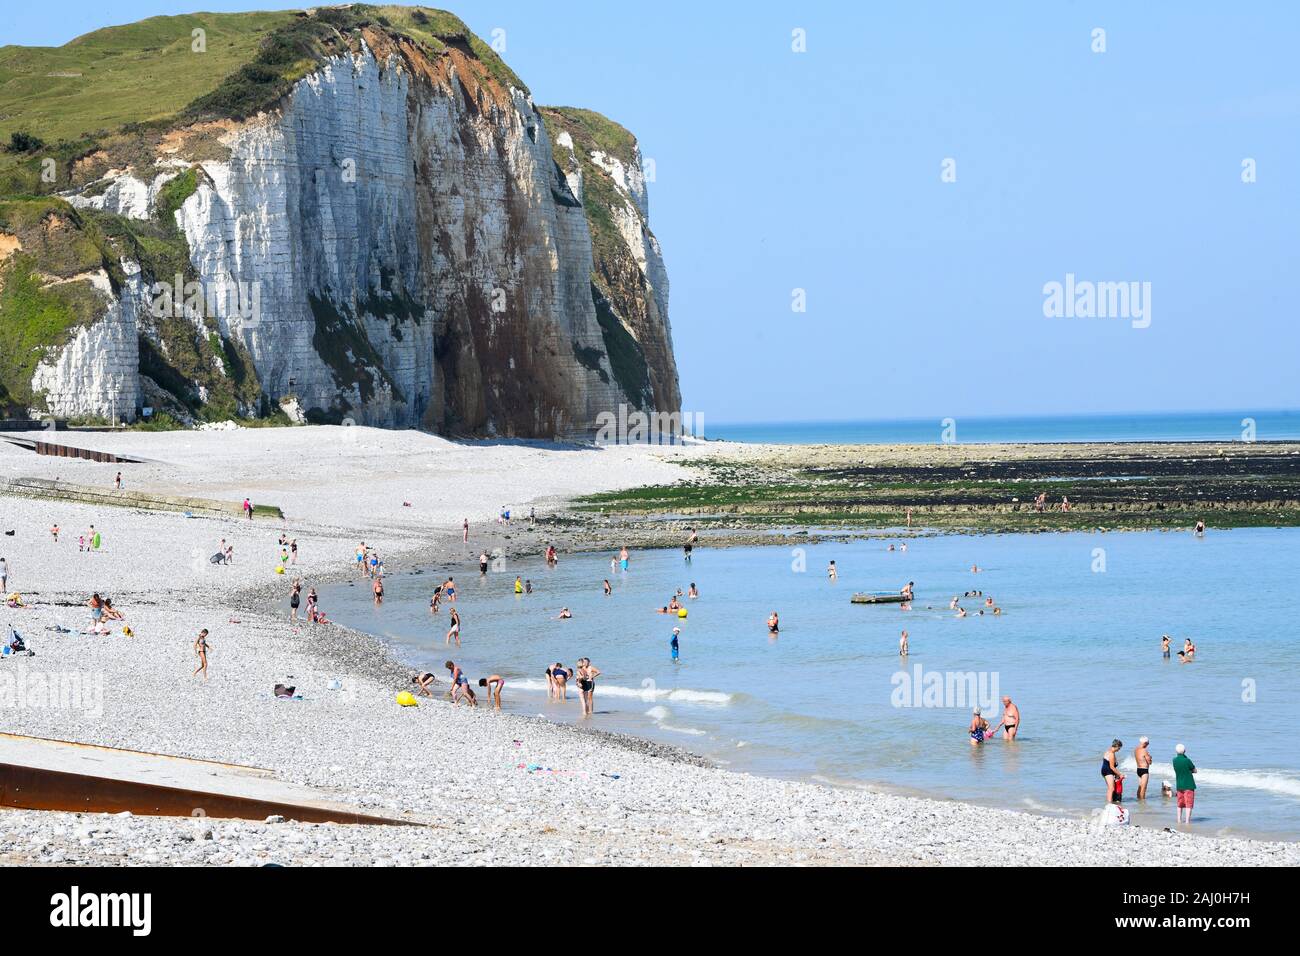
(1164,645)
(902,645)
(1184,782)
(454,631)
(675,647)
(622,558)
(832,572)
(587,675)
(1110,768)
(465,530)
(1200,529)
(978,728)
(1142,757)
(773,623)
(1010,722)
(482,562)
(608,590)
(689,546)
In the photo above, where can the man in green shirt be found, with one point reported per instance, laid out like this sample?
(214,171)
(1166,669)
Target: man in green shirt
(1184,782)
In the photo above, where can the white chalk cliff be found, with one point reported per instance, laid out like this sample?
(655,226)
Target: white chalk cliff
(395,244)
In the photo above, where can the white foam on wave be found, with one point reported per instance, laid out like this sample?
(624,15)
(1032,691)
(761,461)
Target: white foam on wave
(647,694)
(1285,784)
(660,714)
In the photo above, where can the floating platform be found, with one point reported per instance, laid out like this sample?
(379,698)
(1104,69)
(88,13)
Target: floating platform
(37,773)
(862,597)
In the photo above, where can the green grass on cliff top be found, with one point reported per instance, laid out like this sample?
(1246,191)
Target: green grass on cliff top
(147,72)
(124,74)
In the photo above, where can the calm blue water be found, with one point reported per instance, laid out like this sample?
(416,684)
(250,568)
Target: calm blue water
(1183,426)
(1078,651)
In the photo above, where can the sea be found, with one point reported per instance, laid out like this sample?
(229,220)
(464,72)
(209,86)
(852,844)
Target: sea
(830,698)
(1243,425)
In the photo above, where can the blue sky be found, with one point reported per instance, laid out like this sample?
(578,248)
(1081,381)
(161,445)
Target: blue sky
(820,170)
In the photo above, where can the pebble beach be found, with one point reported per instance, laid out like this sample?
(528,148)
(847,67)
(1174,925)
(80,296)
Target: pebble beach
(485,788)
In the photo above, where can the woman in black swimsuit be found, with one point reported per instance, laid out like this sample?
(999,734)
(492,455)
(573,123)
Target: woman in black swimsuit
(294,596)
(1109,770)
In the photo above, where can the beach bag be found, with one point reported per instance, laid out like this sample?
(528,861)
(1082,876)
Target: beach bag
(284,693)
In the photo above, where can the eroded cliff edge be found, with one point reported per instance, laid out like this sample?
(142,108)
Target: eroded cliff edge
(369,221)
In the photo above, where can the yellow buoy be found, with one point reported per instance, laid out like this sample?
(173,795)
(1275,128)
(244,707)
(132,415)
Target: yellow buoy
(279,569)
(682,612)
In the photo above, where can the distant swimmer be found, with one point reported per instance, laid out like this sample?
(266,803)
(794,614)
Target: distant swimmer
(1164,645)
(694,592)
(1010,722)
(519,585)
(1110,770)
(773,623)
(903,546)
(528,586)
(424,680)
(1189,649)
(974,569)
(988,602)
(961,612)
(493,685)
(952,605)
(832,572)
(978,728)
(689,546)
(1142,757)
(891,546)
(564,614)
(673,644)
(1200,529)
(608,590)
(902,645)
